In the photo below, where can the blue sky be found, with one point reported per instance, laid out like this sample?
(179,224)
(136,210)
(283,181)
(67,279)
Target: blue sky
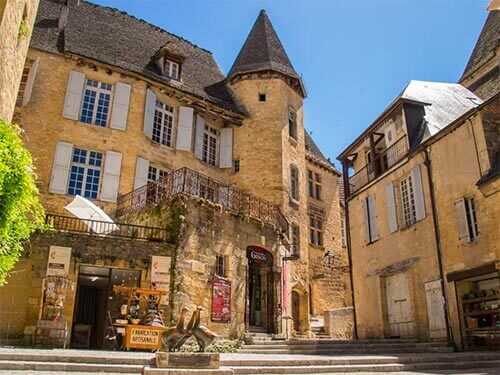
(355,55)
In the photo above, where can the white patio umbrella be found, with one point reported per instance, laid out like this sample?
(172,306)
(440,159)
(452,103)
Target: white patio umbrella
(84,209)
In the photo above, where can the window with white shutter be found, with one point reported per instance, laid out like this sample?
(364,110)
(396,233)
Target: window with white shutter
(391,207)
(185,129)
(141,172)
(210,145)
(418,192)
(121,102)
(371,233)
(408,202)
(60,169)
(111,176)
(96,103)
(85,173)
(74,93)
(226,148)
(149,113)
(467,219)
(163,124)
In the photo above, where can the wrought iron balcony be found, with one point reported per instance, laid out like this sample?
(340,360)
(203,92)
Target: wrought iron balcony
(382,163)
(103,228)
(191,183)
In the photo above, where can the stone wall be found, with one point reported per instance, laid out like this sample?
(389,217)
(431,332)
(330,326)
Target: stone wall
(13,49)
(339,323)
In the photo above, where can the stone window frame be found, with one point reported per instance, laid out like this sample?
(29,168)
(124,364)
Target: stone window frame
(316,225)
(220,265)
(163,124)
(292,123)
(295,239)
(294,182)
(314,184)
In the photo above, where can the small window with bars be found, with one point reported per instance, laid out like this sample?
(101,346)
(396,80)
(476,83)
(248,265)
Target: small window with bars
(294,183)
(236,165)
(163,124)
(316,230)
(210,140)
(220,265)
(96,103)
(408,202)
(85,173)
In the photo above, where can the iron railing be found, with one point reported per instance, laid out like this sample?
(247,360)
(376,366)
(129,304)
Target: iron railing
(189,182)
(382,162)
(104,228)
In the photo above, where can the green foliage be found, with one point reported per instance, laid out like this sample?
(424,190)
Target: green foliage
(20,209)
(24,30)
(218,346)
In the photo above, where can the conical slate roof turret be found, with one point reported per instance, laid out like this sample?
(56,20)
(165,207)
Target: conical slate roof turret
(263,51)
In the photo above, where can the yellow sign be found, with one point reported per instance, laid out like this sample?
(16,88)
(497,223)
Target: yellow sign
(144,337)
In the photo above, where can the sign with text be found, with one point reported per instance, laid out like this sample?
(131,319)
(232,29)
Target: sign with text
(259,256)
(160,275)
(144,338)
(59,259)
(221,300)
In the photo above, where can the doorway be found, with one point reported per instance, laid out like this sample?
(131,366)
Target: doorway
(260,289)
(296,311)
(399,313)
(94,298)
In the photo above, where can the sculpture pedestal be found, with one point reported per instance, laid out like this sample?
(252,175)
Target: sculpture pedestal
(187,363)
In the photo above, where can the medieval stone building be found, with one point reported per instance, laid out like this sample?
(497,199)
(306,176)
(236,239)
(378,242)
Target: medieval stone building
(211,177)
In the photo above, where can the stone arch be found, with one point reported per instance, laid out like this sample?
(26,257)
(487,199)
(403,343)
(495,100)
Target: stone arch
(300,308)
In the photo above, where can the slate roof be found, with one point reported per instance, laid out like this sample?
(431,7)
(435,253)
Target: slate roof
(119,39)
(262,50)
(442,103)
(313,150)
(486,44)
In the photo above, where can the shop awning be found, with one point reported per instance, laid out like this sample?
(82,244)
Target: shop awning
(93,216)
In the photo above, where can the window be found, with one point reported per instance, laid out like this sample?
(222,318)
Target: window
(220,265)
(294,183)
(262,97)
(210,136)
(162,124)
(292,123)
(295,239)
(172,69)
(314,184)
(343,237)
(371,234)
(236,165)
(85,173)
(467,219)
(96,103)
(316,231)
(207,192)
(155,173)
(408,202)
(24,82)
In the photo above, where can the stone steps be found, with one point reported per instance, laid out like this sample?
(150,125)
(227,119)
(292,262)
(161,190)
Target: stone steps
(343,351)
(71,367)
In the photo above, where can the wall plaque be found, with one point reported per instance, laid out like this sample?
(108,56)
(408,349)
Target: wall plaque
(59,259)
(160,275)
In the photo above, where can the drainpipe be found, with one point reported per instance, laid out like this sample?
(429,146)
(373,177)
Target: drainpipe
(437,237)
(347,192)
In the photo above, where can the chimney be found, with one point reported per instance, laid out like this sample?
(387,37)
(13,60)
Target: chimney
(63,16)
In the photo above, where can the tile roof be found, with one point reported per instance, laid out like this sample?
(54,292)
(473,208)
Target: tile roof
(119,39)
(263,50)
(488,41)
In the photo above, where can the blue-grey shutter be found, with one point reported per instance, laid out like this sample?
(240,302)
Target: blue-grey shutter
(366,220)
(121,102)
(463,231)
(418,192)
(111,176)
(372,218)
(391,207)
(74,93)
(149,113)
(60,168)
(141,172)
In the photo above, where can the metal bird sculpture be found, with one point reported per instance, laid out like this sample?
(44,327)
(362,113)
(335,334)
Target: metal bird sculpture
(203,335)
(174,335)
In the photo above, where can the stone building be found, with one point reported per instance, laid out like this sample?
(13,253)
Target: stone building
(16,23)
(214,174)
(422,207)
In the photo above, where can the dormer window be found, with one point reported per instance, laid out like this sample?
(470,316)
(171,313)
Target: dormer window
(171,69)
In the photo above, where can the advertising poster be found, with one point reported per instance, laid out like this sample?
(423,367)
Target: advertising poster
(160,275)
(59,259)
(221,300)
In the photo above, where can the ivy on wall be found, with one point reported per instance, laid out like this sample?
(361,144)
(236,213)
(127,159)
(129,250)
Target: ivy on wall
(21,212)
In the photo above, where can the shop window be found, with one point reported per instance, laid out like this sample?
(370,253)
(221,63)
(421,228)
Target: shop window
(85,173)
(316,231)
(294,183)
(220,265)
(163,124)
(96,103)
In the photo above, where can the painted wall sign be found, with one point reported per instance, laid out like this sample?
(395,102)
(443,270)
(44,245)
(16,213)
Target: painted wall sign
(160,275)
(258,256)
(221,300)
(59,260)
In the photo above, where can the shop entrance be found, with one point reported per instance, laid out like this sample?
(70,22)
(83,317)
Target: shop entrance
(260,289)
(94,298)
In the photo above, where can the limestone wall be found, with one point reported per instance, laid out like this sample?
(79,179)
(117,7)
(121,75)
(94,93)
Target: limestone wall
(13,49)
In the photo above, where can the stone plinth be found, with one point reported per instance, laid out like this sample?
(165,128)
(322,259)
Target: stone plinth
(179,371)
(339,323)
(188,360)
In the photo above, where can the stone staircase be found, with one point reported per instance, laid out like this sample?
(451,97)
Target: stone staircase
(85,361)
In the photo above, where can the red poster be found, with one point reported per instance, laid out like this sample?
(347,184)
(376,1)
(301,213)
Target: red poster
(221,301)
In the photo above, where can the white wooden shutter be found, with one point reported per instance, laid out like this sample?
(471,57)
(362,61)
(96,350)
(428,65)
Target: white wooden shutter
(149,113)
(111,176)
(141,172)
(226,148)
(367,220)
(198,137)
(391,207)
(30,82)
(463,231)
(418,192)
(185,129)
(373,218)
(121,102)
(74,92)
(60,168)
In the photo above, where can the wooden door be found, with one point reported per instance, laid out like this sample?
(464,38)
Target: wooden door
(296,311)
(435,309)
(399,314)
